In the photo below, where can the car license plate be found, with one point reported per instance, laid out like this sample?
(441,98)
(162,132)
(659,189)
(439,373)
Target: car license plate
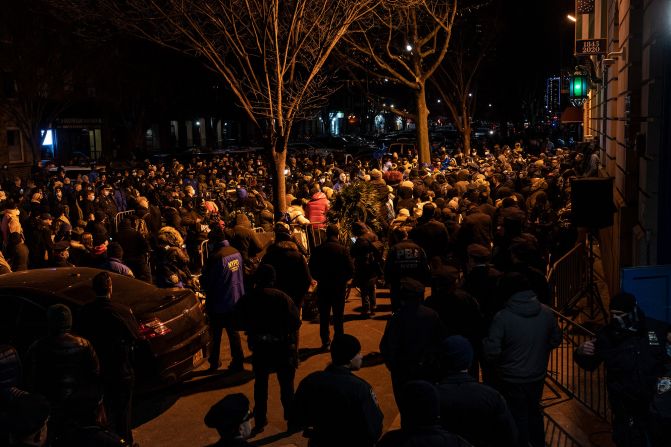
(198,358)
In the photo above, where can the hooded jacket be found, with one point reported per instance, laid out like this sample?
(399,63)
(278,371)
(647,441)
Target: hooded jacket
(520,339)
(244,239)
(317,208)
(10,224)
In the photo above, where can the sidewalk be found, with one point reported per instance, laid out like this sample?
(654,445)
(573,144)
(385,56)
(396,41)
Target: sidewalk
(174,417)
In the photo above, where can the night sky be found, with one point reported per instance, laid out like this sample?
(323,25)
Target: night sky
(536,41)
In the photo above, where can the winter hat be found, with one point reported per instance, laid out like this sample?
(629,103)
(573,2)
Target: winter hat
(59,318)
(282,227)
(419,405)
(242,193)
(375,174)
(344,348)
(404,212)
(229,412)
(457,353)
(624,302)
(114,250)
(265,275)
(411,290)
(216,234)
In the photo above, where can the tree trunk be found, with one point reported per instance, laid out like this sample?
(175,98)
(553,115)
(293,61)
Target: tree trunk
(422,126)
(280,162)
(466,132)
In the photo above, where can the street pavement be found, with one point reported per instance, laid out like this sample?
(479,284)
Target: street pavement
(174,416)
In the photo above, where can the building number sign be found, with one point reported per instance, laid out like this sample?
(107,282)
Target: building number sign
(590,47)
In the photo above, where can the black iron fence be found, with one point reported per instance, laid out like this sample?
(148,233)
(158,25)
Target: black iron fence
(568,278)
(557,436)
(589,388)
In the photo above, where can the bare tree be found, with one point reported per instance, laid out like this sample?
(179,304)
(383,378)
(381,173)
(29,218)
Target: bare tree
(270,52)
(406,43)
(37,73)
(456,80)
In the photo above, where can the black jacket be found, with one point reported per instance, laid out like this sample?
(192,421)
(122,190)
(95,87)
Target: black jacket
(57,365)
(633,363)
(465,404)
(331,265)
(432,236)
(406,259)
(433,436)
(291,269)
(113,331)
(271,320)
(340,409)
(410,337)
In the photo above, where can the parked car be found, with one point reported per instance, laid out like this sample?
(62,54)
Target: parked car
(175,335)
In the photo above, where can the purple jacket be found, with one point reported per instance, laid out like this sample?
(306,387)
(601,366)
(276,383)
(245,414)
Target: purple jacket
(222,279)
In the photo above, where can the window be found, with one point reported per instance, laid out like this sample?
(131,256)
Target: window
(15,146)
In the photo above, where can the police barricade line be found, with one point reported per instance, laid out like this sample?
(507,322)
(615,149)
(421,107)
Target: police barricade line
(567,278)
(119,216)
(316,234)
(587,387)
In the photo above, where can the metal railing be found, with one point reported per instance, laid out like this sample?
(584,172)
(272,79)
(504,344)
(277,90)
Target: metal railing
(568,278)
(556,435)
(587,387)
(120,216)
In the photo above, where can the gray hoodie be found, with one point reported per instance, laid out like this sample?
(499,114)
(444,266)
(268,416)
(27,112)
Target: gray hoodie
(520,339)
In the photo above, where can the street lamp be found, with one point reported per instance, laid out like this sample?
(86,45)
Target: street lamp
(578,87)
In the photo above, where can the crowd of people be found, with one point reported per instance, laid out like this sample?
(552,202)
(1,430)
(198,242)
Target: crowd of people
(478,230)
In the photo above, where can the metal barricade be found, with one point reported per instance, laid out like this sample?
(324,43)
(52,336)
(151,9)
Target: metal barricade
(587,387)
(316,233)
(568,278)
(119,217)
(203,250)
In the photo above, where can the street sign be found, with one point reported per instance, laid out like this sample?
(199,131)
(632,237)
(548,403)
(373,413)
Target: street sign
(590,47)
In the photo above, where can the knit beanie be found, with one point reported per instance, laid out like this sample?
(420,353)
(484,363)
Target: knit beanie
(59,318)
(457,353)
(344,348)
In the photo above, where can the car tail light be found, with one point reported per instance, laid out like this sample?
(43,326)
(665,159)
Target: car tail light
(154,328)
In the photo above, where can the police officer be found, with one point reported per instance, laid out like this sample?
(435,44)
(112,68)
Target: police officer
(230,417)
(334,406)
(404,259)
(632,349)
(61,253)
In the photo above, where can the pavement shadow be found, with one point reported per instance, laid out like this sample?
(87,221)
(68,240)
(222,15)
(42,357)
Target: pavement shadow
(270,439)
(306,353)
(153,404)
(372,359)
(215,381)
(355,317)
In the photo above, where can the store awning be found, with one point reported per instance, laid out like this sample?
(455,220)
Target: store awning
(571,115)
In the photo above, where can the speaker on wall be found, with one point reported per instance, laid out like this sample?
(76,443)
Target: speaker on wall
(592,202)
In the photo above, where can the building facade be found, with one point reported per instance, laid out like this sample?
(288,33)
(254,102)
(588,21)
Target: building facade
(628,114)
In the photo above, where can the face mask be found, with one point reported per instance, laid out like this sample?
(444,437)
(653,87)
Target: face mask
(626,322)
